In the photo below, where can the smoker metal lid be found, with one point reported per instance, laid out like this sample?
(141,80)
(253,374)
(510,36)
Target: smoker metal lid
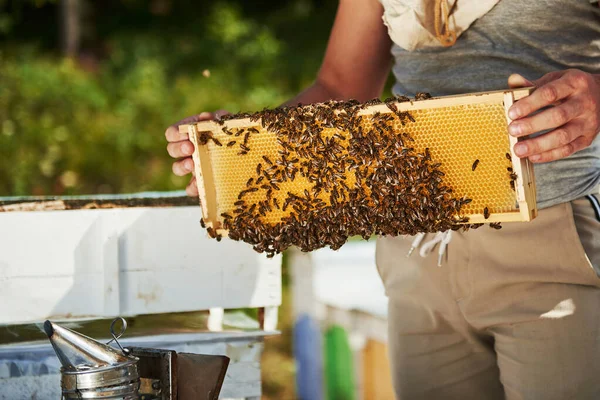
(76,351)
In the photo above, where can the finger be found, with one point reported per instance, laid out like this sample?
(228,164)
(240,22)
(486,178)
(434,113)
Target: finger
(516,81)
(549,77)
(172,133)
(548,119)
(564,151)
(544,96)
(184,148)
(220,113)
(549,141)
(192,188)
(183,167)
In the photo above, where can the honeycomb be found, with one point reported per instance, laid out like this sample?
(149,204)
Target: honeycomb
(456,135)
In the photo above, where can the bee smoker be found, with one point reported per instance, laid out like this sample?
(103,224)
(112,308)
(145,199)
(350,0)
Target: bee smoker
(94,370)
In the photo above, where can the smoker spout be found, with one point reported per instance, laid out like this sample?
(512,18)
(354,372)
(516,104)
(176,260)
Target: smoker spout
(74,349)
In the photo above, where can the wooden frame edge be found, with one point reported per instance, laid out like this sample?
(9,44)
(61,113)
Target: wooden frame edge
(204,177)
(525,183)
(432,103)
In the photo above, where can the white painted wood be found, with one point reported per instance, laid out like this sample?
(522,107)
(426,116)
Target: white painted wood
(357,344)
(347,286)
(348,278)
(215,319)
(130,261)
(302,277)
(271,318)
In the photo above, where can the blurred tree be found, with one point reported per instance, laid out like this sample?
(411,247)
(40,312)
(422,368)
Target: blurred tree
(70,30)
(95,123)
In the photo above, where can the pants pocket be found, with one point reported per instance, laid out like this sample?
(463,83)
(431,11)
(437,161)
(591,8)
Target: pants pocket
(585,223)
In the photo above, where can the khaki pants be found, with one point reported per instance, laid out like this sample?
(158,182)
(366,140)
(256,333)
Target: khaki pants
(513,313)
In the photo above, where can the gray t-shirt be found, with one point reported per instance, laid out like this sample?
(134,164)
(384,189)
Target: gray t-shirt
(531,38)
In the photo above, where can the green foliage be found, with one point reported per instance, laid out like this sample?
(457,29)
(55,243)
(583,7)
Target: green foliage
(97,124)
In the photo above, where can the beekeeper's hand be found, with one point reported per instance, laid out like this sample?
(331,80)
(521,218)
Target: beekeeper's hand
(181,148)
(574,121)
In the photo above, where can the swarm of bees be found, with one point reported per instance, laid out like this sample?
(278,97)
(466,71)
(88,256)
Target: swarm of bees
(395,189)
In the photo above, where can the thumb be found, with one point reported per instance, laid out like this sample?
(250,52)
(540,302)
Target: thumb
(517,81)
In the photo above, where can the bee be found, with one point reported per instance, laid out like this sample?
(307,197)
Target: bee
(408,137)
(249,182)
(422,96)
(231,143)
(495,225)
(202,224)
(267,160)
(486,213)
(513,176)
(391,106)
(508,157)
(475,164)
(216,141)
(244,148)
(258,168)
(373,102)
(509,169)
(512,185)
(204,137)
(409,116)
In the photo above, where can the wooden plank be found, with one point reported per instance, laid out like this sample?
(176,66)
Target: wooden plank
(434,102)
(204,177)
(54,203)
(301,269)
(101,263)
(308,354)
(377,380)
(525,183)
(339,368)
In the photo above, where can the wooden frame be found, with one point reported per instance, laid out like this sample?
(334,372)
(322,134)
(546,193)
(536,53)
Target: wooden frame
(524,185)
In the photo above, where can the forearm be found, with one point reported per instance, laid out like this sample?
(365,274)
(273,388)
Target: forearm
(315,93)
(320,92)
(357,61)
